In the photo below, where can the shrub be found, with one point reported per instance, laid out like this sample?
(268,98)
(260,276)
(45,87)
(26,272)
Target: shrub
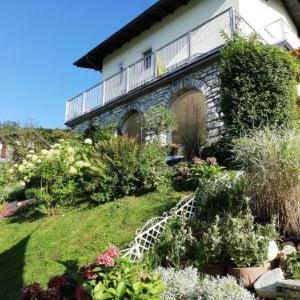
(158,119)
(218,195)
(271,159)
(247,243)
(189,175)
(180,284)
(174,245)
(258,85)
(224,288)
(132,168)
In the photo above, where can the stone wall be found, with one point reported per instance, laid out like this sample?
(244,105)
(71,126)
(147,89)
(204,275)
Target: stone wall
(205,80)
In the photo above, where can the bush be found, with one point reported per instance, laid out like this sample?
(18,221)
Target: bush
(271,159)
(174,245)
(132,168)
(224,288)
(180,284)
(293,266)
(218,195)
(258,85)
(189,175)
(236,240)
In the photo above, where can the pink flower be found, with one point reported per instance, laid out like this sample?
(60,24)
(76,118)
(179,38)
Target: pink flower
(31,291)
(211,160)
(112,251)
(88,272)
(105,260)
(80,294)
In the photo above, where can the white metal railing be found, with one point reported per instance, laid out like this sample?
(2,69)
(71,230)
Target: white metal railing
(205,38)
(279,31)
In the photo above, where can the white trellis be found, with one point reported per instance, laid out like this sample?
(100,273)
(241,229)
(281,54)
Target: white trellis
(151,231)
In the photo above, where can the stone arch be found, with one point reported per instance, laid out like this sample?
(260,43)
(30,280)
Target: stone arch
(131,124)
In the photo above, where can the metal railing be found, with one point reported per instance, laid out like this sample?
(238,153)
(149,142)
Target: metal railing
(279,31)
(187,48)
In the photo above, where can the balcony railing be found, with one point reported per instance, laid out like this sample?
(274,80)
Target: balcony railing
(191,46)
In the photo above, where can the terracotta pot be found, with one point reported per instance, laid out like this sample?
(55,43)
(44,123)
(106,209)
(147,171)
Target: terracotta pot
(215,270)
(248,275)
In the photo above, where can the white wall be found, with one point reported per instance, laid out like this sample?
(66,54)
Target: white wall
(181,21)
(260,13)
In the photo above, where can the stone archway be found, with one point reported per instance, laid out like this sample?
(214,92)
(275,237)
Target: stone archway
(132,126)
(190,111)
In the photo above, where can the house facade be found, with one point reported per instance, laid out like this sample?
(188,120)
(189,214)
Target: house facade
(168,56)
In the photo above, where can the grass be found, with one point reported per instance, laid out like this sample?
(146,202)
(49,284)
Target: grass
(30,250)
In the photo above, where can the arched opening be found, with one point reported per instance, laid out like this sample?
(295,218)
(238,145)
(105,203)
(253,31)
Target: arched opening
(190,111)
(132,126)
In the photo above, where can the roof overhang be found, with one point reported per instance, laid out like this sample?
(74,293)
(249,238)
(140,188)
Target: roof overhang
(154,14)
(293,8)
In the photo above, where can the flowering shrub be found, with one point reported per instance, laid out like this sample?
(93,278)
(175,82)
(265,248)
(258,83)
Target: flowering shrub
(52,176)
(110,277)
(189,176)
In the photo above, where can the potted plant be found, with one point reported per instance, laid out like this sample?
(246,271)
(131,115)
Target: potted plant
(247,247)
(212,254)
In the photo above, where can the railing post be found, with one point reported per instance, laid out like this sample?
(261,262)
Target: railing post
(83,108)
(232,21)
(103,92)
(127,79)
(284,38)
(190,49)
(67,111)
(154,63)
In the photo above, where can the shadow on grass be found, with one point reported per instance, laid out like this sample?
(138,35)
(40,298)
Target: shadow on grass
(12,263)
(29,213)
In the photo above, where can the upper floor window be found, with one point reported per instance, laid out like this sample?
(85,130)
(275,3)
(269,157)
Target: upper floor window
(147,55)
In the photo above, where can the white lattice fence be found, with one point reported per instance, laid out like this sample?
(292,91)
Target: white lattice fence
(151,231)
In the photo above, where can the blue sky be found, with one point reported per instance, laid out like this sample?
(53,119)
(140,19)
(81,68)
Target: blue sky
(40,40)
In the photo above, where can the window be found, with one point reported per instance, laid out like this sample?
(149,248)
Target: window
(147,55)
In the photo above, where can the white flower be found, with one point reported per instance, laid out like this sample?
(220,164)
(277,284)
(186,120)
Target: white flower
(28,156)
(72,171)
(22,183)
(21,168)
(11,170)
(71,159)
(88,141)
(81,164)
(34,157)
(31,151)
(70,150)
(61,140)
(26,178)
(44,152)
(38,161)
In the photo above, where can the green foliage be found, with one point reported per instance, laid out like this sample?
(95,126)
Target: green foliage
(237,240)
(223,288)
(258,85)
(271,159)
(189,175)
(293,263)
(97,133)
(173,246)
(158,120)
(219,195)
(125,281)
(247,243)
(132,168)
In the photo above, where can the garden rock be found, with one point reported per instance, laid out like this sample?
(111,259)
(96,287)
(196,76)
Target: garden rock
(298,246)
(288,248)
(289,289)
(267,285)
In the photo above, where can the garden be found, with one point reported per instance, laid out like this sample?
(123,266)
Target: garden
(96,188)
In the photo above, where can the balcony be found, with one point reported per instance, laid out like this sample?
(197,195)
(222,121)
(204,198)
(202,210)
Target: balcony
(192,46)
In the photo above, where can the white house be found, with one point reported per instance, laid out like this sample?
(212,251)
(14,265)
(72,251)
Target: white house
(168,55)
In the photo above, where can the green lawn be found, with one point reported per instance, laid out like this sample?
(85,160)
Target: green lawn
(30,250)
